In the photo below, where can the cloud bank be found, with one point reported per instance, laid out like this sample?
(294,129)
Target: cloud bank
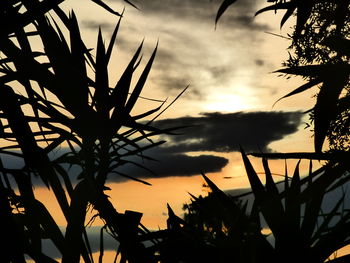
(225,132)
(191,50)
(215,133)
(198,147)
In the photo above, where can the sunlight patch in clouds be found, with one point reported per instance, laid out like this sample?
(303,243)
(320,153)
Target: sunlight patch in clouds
(227,103)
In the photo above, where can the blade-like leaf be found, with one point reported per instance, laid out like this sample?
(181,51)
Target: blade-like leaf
(277,6)
(300,89)
(270,184)
(176,98)
(223,7)
(49,225)
(292,203)
(101,81)
(270,207)
(113,38)
(100,257)
(326,104)
(287,15)
(105,6)
(254,180)
(141,82)
(327,219)
(132,178)
(120,92)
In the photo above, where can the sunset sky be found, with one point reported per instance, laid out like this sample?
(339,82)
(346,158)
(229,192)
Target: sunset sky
(229,100)
(232,90)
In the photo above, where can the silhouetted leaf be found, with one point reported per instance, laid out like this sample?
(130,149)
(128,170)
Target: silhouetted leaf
(49,225)
(326,104)
(120,92)
(140,83)
(257,186)
(292,203)
(131,177)
(327,219)
(302,88)
(176,98)
(100,257)
(270,184)
(112,40)
(287,15)
(269,206)
(78,52)
(280,5)
(101,80)
(105,6)
(223,7)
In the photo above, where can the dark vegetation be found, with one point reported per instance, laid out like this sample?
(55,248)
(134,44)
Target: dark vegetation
(95,122)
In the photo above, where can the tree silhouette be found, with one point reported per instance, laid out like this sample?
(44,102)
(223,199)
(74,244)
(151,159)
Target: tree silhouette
(70,108)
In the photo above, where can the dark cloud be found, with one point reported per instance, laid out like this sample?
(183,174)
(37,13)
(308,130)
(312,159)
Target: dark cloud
(259,62)
(225,132)
(165,163)
(95,25)
(205,11)
(214,132)
(246,22)
(172,164)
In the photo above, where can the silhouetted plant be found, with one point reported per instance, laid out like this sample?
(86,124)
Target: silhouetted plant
(73,109)
(301,231)
(282,222)
(320,54)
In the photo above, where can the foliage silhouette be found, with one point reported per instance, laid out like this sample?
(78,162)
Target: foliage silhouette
(301,230)
(96,123)
(68,106)
(319,54)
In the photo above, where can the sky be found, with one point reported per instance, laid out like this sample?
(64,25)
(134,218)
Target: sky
(231,93)
(228,103)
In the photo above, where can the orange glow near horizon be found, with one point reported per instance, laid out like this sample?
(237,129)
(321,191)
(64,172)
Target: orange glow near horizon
(152,200)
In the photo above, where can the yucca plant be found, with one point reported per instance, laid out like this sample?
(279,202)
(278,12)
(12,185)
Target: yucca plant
(75,110)
(284,221)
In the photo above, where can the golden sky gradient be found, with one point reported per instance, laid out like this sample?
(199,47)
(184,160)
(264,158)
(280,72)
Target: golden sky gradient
(228,70)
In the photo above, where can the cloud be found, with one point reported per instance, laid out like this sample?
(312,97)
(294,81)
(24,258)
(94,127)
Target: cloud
(169,164)
(259,62)
(94,25)
(214,133)
(199,10)
(224,132)
(190,50)
(210,132)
